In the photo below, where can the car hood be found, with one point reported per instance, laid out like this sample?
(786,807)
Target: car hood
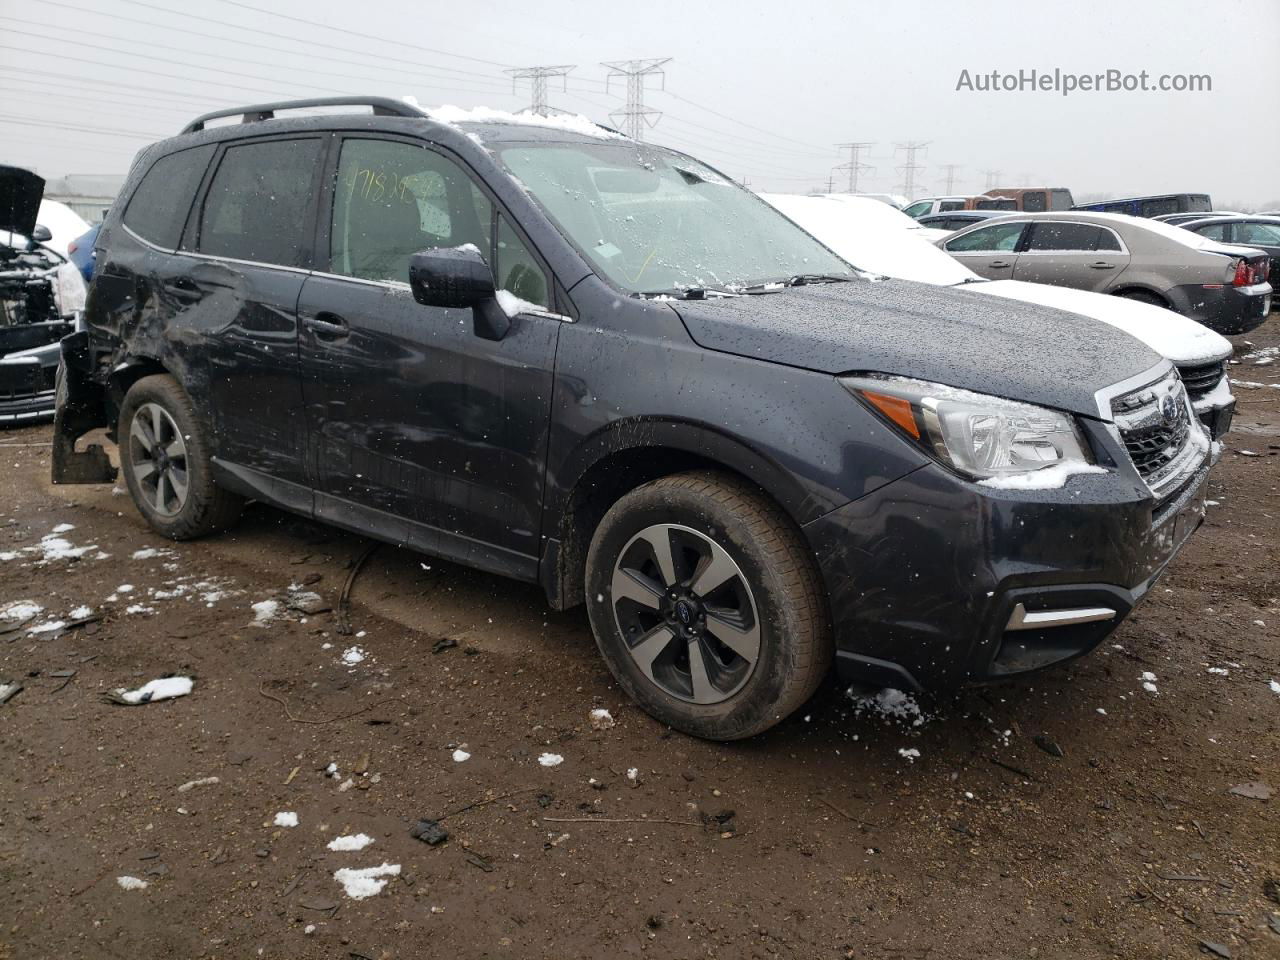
(1021,351)
(20,193)
(1170,334)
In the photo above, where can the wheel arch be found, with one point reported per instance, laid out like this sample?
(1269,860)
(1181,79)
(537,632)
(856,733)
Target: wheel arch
(1139,287)
(628,454)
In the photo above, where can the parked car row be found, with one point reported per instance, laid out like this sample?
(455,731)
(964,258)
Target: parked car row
(1222,286)
(533,346)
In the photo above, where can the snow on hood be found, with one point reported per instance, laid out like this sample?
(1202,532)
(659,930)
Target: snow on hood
(879,239)
(569,122)
(1170,334)
(20,193)
(873,236)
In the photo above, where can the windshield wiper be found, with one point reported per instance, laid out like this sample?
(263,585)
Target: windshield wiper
(798,280)
(687,293)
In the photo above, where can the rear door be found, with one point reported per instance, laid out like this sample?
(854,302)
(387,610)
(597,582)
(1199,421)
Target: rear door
(249,244)
(989,251)
(420,429)
(1084,256)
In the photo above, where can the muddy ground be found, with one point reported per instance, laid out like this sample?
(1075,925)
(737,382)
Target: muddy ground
(820,839)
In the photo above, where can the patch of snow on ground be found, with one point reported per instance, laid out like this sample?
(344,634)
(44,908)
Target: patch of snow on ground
(1275,687)
(53,548)
(131,883)
(63,528)
(80,612)
(264,611)
(550,759)
(1219,671)
(149,553)
(139,608)
(461,756)
(21,610)
(601,719)
(359,884)
(910,754)
(353,655)
(49,626)
(286,818)
(165,688)
(356,841)
(125,588)
(890,704)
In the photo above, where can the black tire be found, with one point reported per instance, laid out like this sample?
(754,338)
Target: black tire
(205,508)
(1142,296)
(785,599)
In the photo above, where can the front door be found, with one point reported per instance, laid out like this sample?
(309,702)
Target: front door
(419,429)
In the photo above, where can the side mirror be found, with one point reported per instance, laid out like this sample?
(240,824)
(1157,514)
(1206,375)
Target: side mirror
(41,234)
(455,277)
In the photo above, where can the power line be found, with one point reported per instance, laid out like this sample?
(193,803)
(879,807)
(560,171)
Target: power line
(37,122)
(537,77)
(346,32)
(62,79)
(187,50)
(853,166)
(635,115)
(910,168)
(743,123)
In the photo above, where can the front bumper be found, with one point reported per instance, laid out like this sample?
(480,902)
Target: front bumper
(26,390)
(1216,409)
(926,574)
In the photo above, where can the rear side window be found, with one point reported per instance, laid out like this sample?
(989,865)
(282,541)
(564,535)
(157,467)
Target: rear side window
(1198,203)
(1215,231)
(1066,237)
(1159,207)
(1060,200)
(1034,200)
(1267,234)
(159,206)
(951,205)
(1003,204)
(259,204)
(997,237)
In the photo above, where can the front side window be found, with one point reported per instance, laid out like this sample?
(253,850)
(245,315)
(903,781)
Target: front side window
(919,209)
(158,209)
(1267,234)
(999,237)
(1070,237)
(652,221)
(259,204)
(393,199)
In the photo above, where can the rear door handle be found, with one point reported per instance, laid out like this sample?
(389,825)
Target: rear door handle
(1102,265)
(327,326)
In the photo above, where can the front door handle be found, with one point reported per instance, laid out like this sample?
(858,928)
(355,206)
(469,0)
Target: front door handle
(327,326)
(1102,265)
(1000,263)
(182,289)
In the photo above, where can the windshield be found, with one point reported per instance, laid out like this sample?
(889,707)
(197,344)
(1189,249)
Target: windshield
(654,222)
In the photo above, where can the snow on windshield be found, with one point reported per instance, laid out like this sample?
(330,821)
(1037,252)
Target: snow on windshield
(873,237)
(656,222)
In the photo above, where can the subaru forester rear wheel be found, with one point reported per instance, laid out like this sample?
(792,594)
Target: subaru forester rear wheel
(706,605)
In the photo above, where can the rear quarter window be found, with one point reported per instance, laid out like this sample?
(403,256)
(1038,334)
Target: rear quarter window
(158,208)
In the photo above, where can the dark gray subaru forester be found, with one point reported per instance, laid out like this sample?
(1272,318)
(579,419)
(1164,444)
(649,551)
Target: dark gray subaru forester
(539,348)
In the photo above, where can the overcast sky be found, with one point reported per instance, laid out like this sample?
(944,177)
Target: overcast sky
(763,89)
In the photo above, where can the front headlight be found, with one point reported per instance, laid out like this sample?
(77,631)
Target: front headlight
(980,436)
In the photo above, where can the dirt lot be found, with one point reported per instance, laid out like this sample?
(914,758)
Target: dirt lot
(824,838)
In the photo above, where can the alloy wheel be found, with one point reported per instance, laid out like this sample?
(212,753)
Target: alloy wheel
(686,612)
(158,459)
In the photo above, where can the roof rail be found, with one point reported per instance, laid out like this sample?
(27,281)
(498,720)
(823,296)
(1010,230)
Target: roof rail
(382,107)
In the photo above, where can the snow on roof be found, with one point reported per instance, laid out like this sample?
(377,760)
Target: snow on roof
(568,122)
(1165,230)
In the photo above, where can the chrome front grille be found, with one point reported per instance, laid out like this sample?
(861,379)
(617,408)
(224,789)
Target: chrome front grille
(1161,433)
(1202,378)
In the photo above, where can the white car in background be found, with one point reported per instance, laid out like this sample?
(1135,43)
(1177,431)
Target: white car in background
(880,240)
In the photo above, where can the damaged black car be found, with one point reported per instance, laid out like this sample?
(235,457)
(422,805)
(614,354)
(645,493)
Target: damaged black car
(38,301)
